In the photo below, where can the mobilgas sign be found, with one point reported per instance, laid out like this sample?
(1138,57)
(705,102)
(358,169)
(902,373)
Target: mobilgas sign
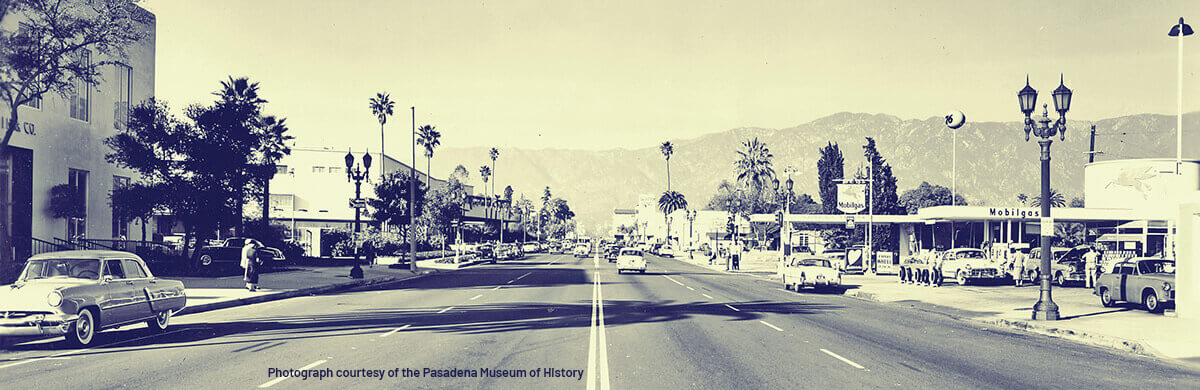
(851,198)
(1015,212)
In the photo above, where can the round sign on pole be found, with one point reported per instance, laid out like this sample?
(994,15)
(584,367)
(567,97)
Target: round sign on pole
(850,221)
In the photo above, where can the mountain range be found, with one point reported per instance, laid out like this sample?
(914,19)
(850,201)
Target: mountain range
(994,161)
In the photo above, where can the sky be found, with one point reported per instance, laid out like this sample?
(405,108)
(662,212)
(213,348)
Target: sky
(631,74)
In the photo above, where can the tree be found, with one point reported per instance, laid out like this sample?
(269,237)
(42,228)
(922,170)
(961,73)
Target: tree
(382,107)
(274,147)
(1077,202)
(229,138)
(390,203)
(136,201)
(1056,199)
(430,139)
(928,195)
(667,150)
(1024,199)
(753,166)
(668,203)
(829,169)
(66,202)
(58,46)
(883,196)
(494,154)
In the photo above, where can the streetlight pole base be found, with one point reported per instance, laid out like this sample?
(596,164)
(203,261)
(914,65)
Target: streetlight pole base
(1045,311)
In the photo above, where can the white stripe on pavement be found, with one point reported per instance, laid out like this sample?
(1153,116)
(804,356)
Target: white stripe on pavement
(847,361)
(522,276)
(597,342)
(282,378)
(769,324)
(395,330)
(673,280)
(496,288)
(706,296)
(476,297)
(446,310)
(731,307)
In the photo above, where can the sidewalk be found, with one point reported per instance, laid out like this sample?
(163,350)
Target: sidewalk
(212,293)
(755,265)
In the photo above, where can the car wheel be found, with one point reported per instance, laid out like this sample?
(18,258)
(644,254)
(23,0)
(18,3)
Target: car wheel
(1106,297)
(206,260)
(1150,301)
(160,321)
(83,331)
(961,277)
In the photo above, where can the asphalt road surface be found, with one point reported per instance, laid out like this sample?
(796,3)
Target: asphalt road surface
(554,321)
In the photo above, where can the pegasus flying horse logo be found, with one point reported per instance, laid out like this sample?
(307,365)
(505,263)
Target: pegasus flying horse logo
(1126,178)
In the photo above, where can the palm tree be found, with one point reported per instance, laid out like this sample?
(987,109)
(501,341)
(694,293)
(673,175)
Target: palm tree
(430,138)
(274,147)
(1024,199)
(240,97)
(494,154)
(753,167)
(485,172)
(669,202)
(667,150)
(381,106)
(1056,200)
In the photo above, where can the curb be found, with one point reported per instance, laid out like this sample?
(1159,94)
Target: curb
(1098,340)
(295,293)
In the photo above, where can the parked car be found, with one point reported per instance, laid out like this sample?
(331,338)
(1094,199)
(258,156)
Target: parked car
(837,258)
(1148,280)
(966,265)
(229,251)
(666,251)
(79,293)
(581,250)
(612,252)
(631,259)
(530,247)
(1066,264)
(802,271)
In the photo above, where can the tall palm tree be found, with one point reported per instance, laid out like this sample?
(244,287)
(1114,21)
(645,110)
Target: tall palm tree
(430,138)
(485,172)
(494,154)
(382,107)
(1056,199)
(753,167)
(667,150)
(1024,199)
(274,147)
(240,100)
(668,203)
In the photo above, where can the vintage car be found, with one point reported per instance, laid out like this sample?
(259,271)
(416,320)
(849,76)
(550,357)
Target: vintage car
(530,247)
(1149,280)
(1066,265)
(611,252)
(631,259)
(966,265)
(802,271)
(836,257)
(581,250)
(229,251)
(79,293)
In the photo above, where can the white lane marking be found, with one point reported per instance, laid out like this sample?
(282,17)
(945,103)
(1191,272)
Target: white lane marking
(446,310)
(395,330)
(476,297)
(55,356)
(282,378)
(522,276)
(731,307)
(597,341)
(844,360)
(510,282)
(690,288)
(496,288)
(673,280)
(769,325)
(706,295)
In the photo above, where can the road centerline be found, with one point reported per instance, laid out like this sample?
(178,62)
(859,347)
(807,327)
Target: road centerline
(389,333)
(768,324)
(731,307)
(844,360)
(275,381)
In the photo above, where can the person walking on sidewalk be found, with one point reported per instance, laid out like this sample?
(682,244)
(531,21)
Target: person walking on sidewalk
(369,252)
(250,264)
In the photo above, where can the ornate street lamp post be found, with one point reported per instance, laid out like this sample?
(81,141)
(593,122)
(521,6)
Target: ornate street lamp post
(1044,128)
(785,235)
(356,173)
(691,217)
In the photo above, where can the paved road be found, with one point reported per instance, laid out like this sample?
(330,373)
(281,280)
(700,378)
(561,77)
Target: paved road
(677,326)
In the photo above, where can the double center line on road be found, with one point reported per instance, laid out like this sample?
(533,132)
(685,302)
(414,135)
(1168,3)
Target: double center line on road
(597,343)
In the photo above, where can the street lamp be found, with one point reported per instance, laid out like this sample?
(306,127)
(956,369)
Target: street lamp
(785,236)
(1044,128)
(1179,30)
(356,173)
(691,217)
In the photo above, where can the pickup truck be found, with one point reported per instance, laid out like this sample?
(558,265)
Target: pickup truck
(229,252)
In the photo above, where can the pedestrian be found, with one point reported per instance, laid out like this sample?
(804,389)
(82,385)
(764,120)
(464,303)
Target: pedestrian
(1018,268)
(250,264)
(1090,261)
(935,271)
(368,250)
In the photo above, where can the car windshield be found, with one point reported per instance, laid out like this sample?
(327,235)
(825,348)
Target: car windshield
(1156,267)
(631,252)
(62,268)
(814,263)
(972,254)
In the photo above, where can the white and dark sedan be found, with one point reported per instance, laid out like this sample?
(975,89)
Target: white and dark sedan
(810,271)
(631,259)
(79,293)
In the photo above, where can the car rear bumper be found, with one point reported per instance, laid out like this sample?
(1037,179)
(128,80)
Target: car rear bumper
(37,325)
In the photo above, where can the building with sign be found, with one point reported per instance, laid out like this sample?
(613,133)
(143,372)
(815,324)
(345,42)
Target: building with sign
(60,141)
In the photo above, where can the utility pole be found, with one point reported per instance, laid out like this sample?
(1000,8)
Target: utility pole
(1092,146)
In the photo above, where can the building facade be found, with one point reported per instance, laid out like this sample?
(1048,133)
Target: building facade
(60,141)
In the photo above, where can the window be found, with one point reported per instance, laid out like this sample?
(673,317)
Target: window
(77,227)
(113,268)
(124,91)
(81,99)
(335,170)
(120,225)
(281,169)
(317,169)
(132,269)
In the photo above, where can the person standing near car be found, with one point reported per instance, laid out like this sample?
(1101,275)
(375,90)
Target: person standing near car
(250,264)
(369,252)
(1018,267)
(1090,263)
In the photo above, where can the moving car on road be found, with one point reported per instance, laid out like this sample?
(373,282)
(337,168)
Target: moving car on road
(1149,280)
(79,293)
(530,247)
(581,250)
(802,271)
(611,252)
(631,259)
(229,252)
(968,265)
